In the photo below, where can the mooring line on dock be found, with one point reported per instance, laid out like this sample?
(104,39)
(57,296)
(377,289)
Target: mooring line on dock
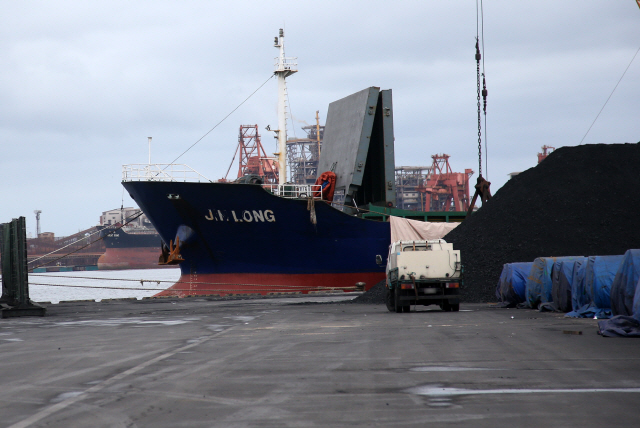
(99,287)
(190,283)
(68,402)
(128,220)
(270,288)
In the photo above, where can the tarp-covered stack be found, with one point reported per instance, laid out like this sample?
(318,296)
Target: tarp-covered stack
(598,278)
(594,287)
(601,271)
(511,289)
(539,283)
(562,281)
(625,285)
(579,297)
(625,299)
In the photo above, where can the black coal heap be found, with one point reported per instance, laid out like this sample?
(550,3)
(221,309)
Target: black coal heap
(582,200)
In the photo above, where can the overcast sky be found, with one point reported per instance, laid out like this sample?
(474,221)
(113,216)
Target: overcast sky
(84,83)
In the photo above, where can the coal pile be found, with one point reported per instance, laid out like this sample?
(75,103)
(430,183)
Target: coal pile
(580,201)
(374,296)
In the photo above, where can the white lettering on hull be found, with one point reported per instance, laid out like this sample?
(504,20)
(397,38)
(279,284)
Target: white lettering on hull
(246,216)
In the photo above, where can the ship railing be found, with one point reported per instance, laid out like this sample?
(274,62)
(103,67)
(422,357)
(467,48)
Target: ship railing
(288,64)
(161,172)
(295,191)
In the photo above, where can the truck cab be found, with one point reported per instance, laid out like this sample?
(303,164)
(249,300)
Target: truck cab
(423,273)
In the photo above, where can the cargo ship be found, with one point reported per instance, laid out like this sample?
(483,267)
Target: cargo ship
(246,237)
(136,245)
(130,248)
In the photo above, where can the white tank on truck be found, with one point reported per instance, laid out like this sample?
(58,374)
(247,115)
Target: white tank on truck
(423,273)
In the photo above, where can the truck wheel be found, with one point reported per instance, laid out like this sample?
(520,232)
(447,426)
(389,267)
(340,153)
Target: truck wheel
(406,308)
(389,300)
(455,307)
(396,299)
(446,306)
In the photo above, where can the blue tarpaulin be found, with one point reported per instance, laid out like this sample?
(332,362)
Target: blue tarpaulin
(579,297)
(636,302)
(599,276)
(589,311)
(625,300)
(562,278)
(503,275)
(625,284)
(511,286)
(619,326)
(593,292)
(539,283)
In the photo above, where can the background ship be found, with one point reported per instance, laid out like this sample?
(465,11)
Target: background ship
(108,245)
(136,245)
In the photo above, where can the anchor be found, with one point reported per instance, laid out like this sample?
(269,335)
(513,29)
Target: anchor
(171,255)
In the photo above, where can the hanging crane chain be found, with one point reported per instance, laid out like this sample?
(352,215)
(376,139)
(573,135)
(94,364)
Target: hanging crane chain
(483,186)
(478,57)
(484,96)
(484,109)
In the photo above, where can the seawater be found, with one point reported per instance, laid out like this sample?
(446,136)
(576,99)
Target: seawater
(56,287)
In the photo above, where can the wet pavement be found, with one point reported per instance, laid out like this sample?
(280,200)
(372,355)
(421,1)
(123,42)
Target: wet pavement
(293,363)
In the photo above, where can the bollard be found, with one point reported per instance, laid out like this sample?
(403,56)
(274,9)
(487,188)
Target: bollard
(15,301)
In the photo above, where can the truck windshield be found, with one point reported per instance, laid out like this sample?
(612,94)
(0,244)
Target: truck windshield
(417,248)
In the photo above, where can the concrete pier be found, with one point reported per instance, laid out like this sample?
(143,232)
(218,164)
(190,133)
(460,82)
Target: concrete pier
(303,362)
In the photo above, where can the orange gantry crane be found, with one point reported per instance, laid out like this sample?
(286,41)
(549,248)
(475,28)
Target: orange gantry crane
(445,190)
(546,151)
(253,158)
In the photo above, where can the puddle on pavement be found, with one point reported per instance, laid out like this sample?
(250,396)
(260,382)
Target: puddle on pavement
(440,402)
(446,369)
(439,391)
(217,327)
(241,318)
(66,396)
(196,340)
(116,322)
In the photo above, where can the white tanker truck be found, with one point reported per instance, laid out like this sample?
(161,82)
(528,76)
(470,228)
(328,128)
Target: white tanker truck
(423,273)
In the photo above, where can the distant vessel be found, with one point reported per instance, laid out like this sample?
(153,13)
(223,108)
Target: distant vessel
(133,246)
(130,248)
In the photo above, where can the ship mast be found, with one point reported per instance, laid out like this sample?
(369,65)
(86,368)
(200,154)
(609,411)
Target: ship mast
(284,67)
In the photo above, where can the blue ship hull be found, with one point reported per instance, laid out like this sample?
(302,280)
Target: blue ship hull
(239,238)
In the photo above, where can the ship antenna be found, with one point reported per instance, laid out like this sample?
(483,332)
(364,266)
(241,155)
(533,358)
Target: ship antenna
(284,67)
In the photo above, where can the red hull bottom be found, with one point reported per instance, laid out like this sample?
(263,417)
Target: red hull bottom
(268,284)
(129,258)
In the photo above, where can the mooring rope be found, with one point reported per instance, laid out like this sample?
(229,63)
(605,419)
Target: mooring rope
(297,288)
(129,220)
(176,282)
